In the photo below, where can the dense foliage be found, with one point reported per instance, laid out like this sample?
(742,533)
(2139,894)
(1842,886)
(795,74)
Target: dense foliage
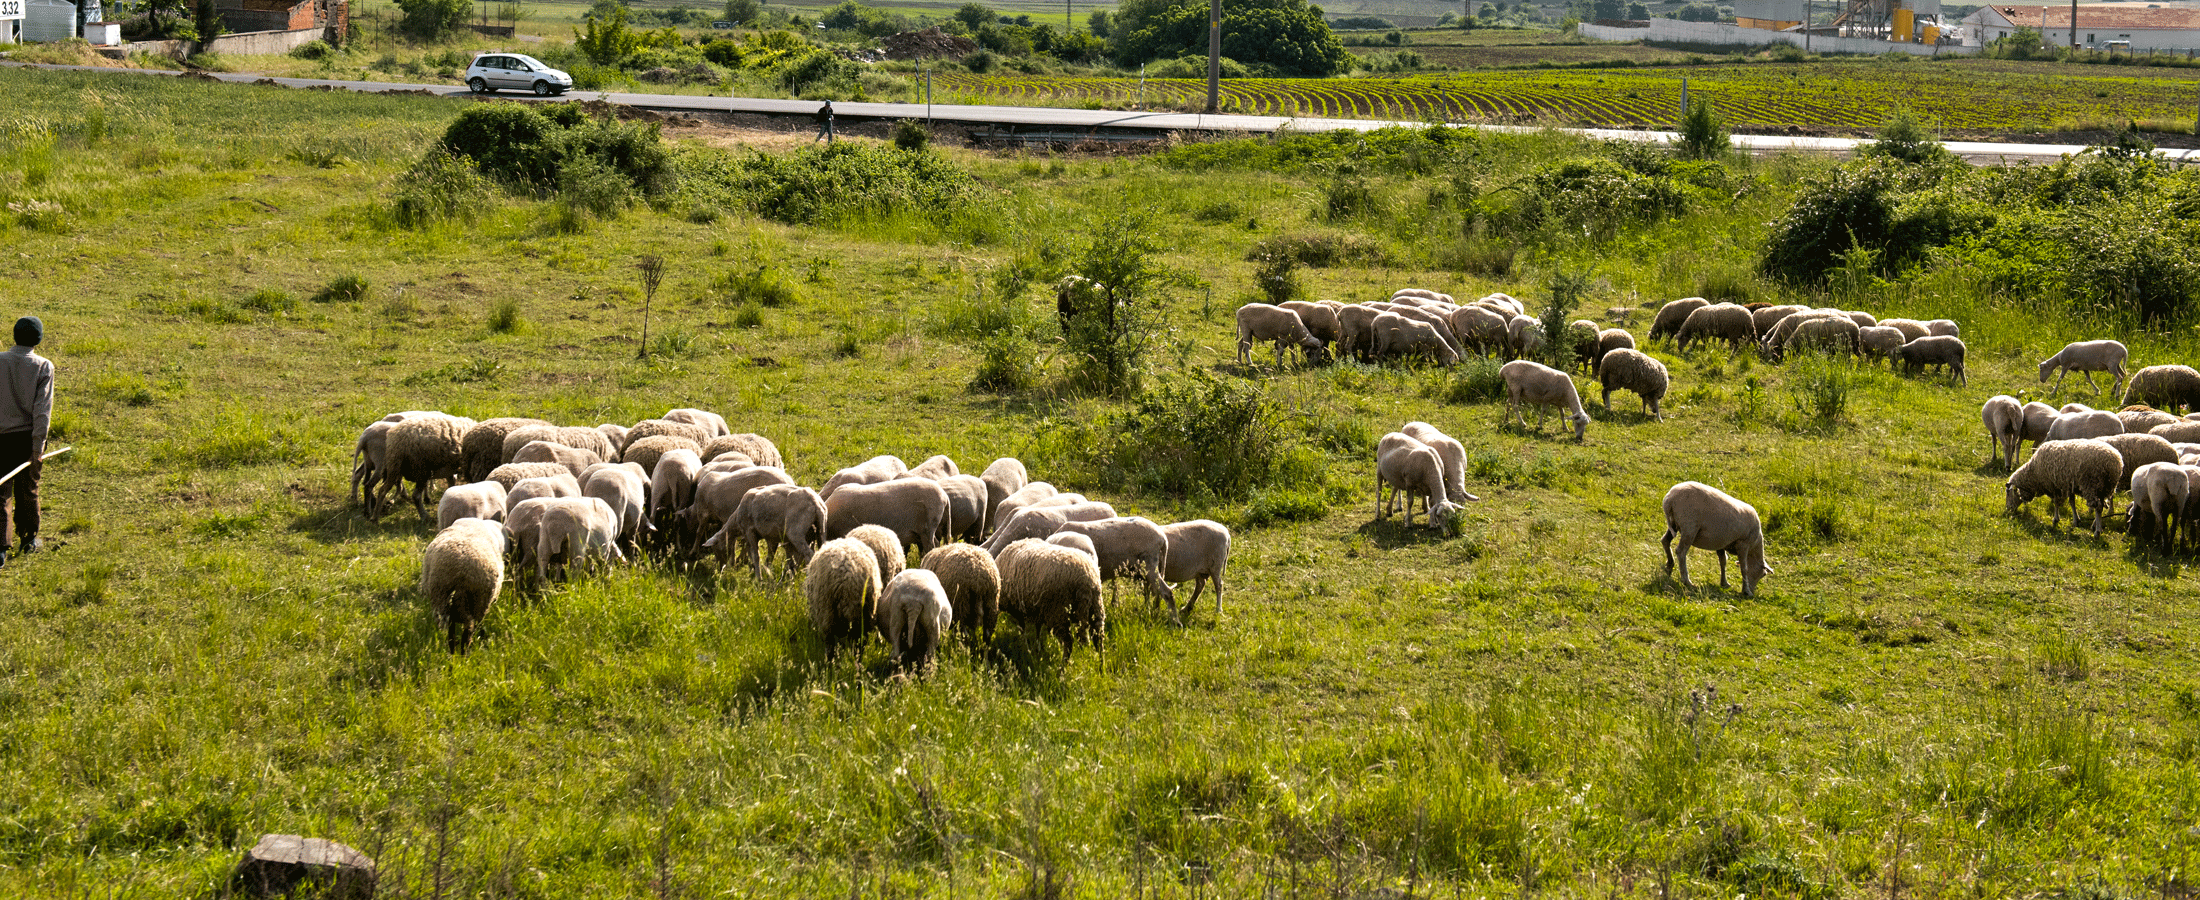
(826,184)
(1275,37)
(530,149)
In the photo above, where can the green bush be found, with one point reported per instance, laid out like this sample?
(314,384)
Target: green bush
(1419,150)
(1320,250)
(1007,363)
(1594,197)
(427,20)
(313,49)
(531,149)
(1195,436)
(504,317)
(1850,206)
(441,187)
(840,181)
(350,288)
(505,141)
(1703,136)
(1905,139)
(761,286)
(911,135)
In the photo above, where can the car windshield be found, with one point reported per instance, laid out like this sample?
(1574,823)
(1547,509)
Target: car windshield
(528,62)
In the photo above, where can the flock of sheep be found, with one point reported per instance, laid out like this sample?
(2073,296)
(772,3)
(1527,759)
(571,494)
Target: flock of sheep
(524,493)
(2082,453)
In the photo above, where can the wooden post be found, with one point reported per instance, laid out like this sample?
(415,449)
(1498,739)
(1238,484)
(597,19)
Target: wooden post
(2073,28)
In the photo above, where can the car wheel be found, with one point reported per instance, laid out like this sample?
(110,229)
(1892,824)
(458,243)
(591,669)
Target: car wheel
(479,86)
(542,89)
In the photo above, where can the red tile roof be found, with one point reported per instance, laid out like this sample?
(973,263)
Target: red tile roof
(2097,16)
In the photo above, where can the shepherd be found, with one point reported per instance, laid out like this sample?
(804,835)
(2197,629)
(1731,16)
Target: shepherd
(825,123)
(26,411)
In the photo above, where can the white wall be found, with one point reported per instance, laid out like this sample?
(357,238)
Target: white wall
(1724,34)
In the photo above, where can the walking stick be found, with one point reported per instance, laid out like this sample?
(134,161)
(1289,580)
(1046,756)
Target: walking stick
(4,479)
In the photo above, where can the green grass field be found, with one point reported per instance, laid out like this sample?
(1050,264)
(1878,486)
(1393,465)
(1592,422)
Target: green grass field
(1929,698)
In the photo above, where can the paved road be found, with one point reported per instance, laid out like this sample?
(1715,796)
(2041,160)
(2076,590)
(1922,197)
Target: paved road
(1120,122)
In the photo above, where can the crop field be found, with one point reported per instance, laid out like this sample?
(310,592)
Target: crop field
(1828,94)
(1522,48)
(1926,699)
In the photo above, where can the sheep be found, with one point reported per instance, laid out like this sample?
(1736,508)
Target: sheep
(615,433)
(563,484)
(627,495)
(1670,316)
(420,449)
(369,456)
(1069,498)
(1482,329)
(1864,319)
(649,428)
(842,586)
(1262,322)
(2143,419)
(1911,329)
(870,471)
(1720,321)
(2004,421)
(758,448)
(1943,328)
(710,422)
(892,554)
(2180,432)
(479,500)
(1448,451)
(913,614)
(1523,336)
(1502,301)
(913,510)
(2162,387)
(1399,336)
(1939,350)
(1764,318)
(1636,371)
(2090,424)
(573,529)
(483,449)
(2069,408)
(2038,418)
(788,515)
(461,573)
(2063,469)
(1053,589)
(1413,294)
(1414,469)
(1825,334)
(717,495)
(1356,331)
(1002,477)
(1775,341)
(1608,340)
(2159,493)
(1438,319)
(972,582)
(648,449)
(511,474)
(574,460)
(2087,357)
(1583,335)
(672,486)
(585,438)
(966,507)
(1134,546)
(1030,493)
(2139,450)
(1074,541)
(1040,521)
(1199,552)
(936,468)
(1544,387)
(1879,341)
(1699,515)
(1320,320)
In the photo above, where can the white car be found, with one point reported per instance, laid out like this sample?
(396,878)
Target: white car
(493,72)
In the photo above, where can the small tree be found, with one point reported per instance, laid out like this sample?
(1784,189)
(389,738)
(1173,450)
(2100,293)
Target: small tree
(742,12)
(652,268)
(1567,289)
(974,16)
(431,20)
(607,39)
(1110,325)
(1905,139)
(1703,136)
(206,21)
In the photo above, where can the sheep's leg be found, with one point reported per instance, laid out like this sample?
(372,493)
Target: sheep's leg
(1668,542)
(1722,568)
(1682,556)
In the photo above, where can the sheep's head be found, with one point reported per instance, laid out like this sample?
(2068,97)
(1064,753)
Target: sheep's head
(2014,495)
(1580,421)
(1446,515)
(1754,566)
(1316,352)
(2047,367)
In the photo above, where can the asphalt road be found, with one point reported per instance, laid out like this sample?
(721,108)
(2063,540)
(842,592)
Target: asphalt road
(1070,121)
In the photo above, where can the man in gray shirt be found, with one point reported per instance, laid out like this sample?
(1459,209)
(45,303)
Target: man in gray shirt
(26,410)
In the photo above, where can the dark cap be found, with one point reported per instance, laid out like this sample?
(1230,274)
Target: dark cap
(29,331)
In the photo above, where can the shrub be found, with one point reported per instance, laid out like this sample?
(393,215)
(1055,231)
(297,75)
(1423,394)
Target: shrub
(504,317)
(1703,136)
(440,187)
(269,300)
(843,180)
(1278,277)
(313,49)
(1594,197)
(912,136)
(1905,139)
(1850,206)
(761,286)
(1193,437)
(531,149)
(505,141)
(588,186)
(1007,363)
(1348,195)
(1321,250)
(1819,387)
(1476,379)
(427,20)
(1109,336)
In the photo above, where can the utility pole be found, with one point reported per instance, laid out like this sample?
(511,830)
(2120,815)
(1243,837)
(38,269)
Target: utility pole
(2073,27)
(1214,54)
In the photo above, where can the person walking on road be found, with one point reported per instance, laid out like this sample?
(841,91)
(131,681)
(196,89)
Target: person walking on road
(26,411)
(825,123)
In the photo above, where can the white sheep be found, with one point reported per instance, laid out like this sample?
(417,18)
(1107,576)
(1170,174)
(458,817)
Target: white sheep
(2087,357)
(1356,331)
(717,494)
(627,495)
(1130,546)
(2179,432)
(1040,521)
(966,506)
(1719,321)
(687,431)
(483,449)
(936,468)
(1943,328)
(1480,329)
(1453,455)
(757,448)
(710,422)
(1826,334)
(1320,319)
(1002,477)
(648,450)
(1437,318)
(2038,418)
(893,555)
(1543,387)
(479,500)
(1075,541)
(913,614)
(461,573)
(615,433)
(1911,329)
(914,510)
(511,474)
(420,449)
(2159,493)
(584,438)
(2143,419)
(777,515)
(842,585)
(1764,318)
(574,459)
(2004,420)
(2139,450)
(369,455)
(573,529)
(672,486)
(2162,387)
(1671,315)
(1049,588)
(1608,340)
(1523,336)
(562,484)
(2063,469)
(2089,424)
(1634,370)
(1879,341)
(1398,336)
(1199,552)
(871,471)
(1413,469)
(1006,508)
(1699,515)
(1863,319)
(1257,322)
(972,582)
(1936,350)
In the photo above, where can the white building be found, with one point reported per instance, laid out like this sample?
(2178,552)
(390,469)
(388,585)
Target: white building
(11,21)
(2101,26)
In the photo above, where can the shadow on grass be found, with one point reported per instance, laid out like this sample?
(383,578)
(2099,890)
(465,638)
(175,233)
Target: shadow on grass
(344,524)
(1393,533)
(2074,531)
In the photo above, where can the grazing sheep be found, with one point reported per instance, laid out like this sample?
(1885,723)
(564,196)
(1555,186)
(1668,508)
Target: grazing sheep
(1356,331)
(1133,546)
(712,423)
(870,471)
(717,495)
(1608,340)
(1040,521)
(1719,321)
(574,460)
(778,515)
(2180,432)
(1699,515)
(1879,341)
(2143,419)
(511,474)
(420,449)
(1504,302)
(1003,477)
(1776,339)
(479,500)
(1320,320)
(1199,552)
(2162,387)
(572,530)
(1049,588)
(1282,327)
(2069,408)
(483,449)
(672,486)
(1672,315)
(893,555)
(615,433)
(936,468)
(758,448)
(1826,334)
(1911,329)
(1943,328)
(1582,335)
(1543,387)
(972,582)
(1481,329)
(1764,318)
(966,506)
(563,484)
(1415,294)
(1397,336)
(1438,319)
(462,572)
(2139,450)
(1943,351)
(1863,319)
(2087,357)
(1077,542)
(1636,371)
(369,456)
(2004,421)
(647,449)
(913,510)
(2038,418)
(1412,469)
(913,614)
(649,428)
(2159,494)
(842,585)
(2063,469)
(2089,424)
(1449,451)
(585,438)
(1030,493)
(627,494)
